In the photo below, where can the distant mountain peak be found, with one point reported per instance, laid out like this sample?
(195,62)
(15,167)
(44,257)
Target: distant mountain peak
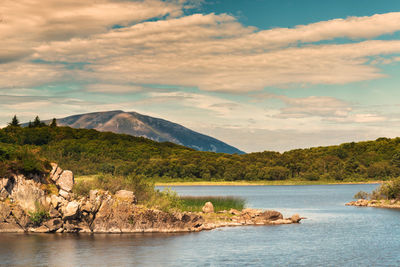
(157,129)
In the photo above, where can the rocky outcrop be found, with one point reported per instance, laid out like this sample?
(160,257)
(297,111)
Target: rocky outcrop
(26,207)
(390,204)
(208,208)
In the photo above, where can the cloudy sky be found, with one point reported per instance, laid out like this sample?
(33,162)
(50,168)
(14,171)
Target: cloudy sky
(257,74)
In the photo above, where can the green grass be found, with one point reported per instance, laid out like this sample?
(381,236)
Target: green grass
(195,204)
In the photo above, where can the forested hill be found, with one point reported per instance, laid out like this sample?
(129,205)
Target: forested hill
(91,152)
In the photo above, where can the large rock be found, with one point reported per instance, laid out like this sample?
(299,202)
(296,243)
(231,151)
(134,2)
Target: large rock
(126,195)
(20,216)
(208,208)
(5,211)
(27,192)
(66,181)
(71,210)
(54,224)
(55,172)
(271,215)
(6,227)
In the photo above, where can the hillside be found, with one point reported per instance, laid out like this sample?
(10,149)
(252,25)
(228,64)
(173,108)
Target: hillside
(139,125)
(88,152)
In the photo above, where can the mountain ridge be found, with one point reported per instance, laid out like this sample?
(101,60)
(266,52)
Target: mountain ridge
(157,129)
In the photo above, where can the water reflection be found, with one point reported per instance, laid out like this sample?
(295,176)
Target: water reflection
(334,235)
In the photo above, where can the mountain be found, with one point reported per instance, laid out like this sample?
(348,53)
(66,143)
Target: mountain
(136,124)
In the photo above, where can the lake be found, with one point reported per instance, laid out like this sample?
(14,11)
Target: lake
(333,235)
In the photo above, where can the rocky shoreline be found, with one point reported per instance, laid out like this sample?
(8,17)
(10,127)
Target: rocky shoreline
(390,204)
(103,212)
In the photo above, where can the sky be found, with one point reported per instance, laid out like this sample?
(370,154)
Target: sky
(257,74)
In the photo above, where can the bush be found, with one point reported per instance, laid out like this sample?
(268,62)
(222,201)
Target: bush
(388,190)
(361,195)
(39,215)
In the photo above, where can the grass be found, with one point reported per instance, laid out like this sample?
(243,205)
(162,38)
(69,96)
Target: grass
(195,204)
(255,183)
(180,182)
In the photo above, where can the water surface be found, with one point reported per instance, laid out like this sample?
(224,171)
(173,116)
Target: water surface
(333,235)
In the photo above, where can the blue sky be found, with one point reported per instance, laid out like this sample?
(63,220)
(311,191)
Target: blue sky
(259,75)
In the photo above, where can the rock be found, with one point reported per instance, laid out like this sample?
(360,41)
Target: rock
(21,217)
(5,211)
(234,212)
(251,212)
(271,215)
(71,210)
(66,181)
(55,201)
(208,208)
(87,207)
(6,227)
(93,195)
(54,224)
(53,213)
(40,229)
(27,193)
(55,172)
(64,194)
(393,201)
(295,218)
(70,227)
(126,195)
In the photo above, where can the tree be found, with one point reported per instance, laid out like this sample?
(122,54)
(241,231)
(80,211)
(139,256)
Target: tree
(53,123)
(14,122)
(37,122)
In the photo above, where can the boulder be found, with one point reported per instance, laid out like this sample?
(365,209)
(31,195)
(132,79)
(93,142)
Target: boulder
(66,181)
(40,229)
(27,193)
(271,215)
(4,211)
(55,172)
(208,208)
(53,224)
(20,216)
(71,210)
(234,212)
(53,213)
(126,195)
(295,218)
(55,201)
(6,227)
(64,194)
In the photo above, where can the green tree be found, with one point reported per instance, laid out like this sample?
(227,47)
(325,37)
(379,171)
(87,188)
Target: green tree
(53,123)
(14,122)
(37,122)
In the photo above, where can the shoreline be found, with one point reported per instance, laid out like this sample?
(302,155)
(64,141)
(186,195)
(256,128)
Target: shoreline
(260,183)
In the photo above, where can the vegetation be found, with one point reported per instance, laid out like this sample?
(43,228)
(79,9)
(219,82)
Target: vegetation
(89,152)
(39,215)
(387,191)
(195,204)
(142,188)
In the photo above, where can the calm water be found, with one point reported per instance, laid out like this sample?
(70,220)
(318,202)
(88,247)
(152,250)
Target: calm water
(334,235)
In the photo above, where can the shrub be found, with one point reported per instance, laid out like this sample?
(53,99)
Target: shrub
(39,215)
(361,195)
(388,190)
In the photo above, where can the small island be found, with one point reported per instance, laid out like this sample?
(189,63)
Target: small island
(385,196)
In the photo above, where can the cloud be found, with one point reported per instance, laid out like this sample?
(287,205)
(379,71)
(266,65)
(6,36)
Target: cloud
(216,53)
(314,106)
